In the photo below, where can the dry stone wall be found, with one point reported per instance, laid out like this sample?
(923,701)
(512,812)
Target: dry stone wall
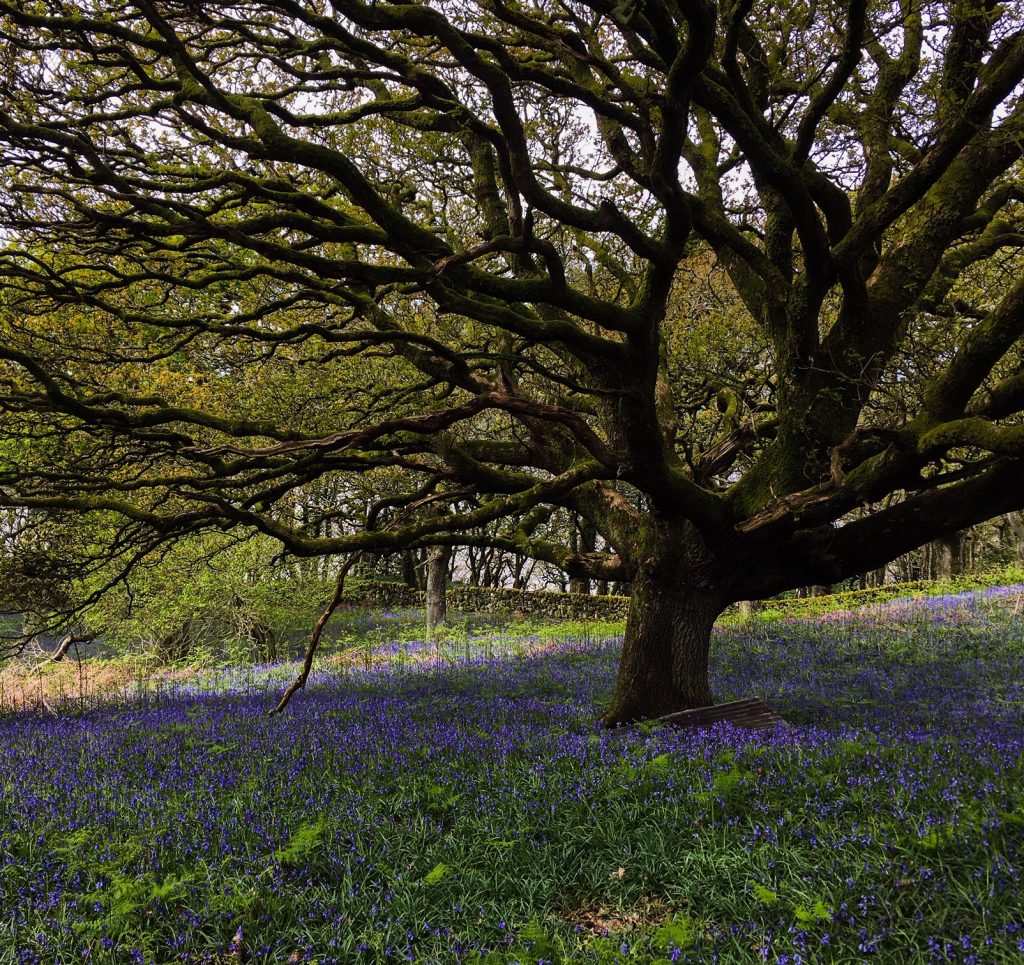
(380,595)
(384,595)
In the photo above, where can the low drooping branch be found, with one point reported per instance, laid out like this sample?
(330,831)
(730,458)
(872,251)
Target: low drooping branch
(314,639)
(71,640)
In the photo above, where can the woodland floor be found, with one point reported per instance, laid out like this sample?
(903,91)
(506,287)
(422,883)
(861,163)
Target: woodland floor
(456,803)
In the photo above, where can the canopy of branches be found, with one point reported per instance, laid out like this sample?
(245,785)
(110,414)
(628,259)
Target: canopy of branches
(732,281)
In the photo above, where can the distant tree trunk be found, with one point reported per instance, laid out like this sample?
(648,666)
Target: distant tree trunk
(437,582)
(249,625)
(574,546)
(177,644)
(496,564)
(473,561)
(584,541)
(518,570)
(1016,521)
(265,638)
(874,578)
(896,571)
(746,609)
(602,587)
(819,590)
(409,569)
(947,556)
(526,574)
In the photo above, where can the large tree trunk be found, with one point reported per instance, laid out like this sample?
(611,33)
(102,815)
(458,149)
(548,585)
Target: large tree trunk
(437,582)
(664,665)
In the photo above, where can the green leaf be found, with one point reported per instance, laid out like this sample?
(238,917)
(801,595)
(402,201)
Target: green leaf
(764,895)
(658,766)
(811,916)
(936,837)
(437,874)
(1014,818)
(680,931)
(306,841)
(724,783)
(533,936)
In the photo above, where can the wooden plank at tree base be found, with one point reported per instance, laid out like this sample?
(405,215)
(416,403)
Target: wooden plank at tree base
(747,712)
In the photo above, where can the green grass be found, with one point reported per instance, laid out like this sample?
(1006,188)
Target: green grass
(468,810)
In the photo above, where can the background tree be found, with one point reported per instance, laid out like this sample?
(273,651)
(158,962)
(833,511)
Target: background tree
(653,264)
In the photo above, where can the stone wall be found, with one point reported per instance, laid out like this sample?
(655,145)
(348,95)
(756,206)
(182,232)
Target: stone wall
(380,595)
(385,595)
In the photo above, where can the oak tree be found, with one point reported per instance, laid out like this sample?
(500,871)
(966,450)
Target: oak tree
(659,265)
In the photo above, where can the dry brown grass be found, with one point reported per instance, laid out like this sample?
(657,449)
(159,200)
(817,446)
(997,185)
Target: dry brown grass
(28,685)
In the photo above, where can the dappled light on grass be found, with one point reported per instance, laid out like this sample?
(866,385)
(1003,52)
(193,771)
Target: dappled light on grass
(461,806)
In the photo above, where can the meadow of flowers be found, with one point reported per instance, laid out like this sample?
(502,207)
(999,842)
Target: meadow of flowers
(457,804)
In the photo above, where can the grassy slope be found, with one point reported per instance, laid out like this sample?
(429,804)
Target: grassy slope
(468,810)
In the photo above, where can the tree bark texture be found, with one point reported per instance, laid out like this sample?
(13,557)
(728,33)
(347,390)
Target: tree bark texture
(266,640)
(664,663)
